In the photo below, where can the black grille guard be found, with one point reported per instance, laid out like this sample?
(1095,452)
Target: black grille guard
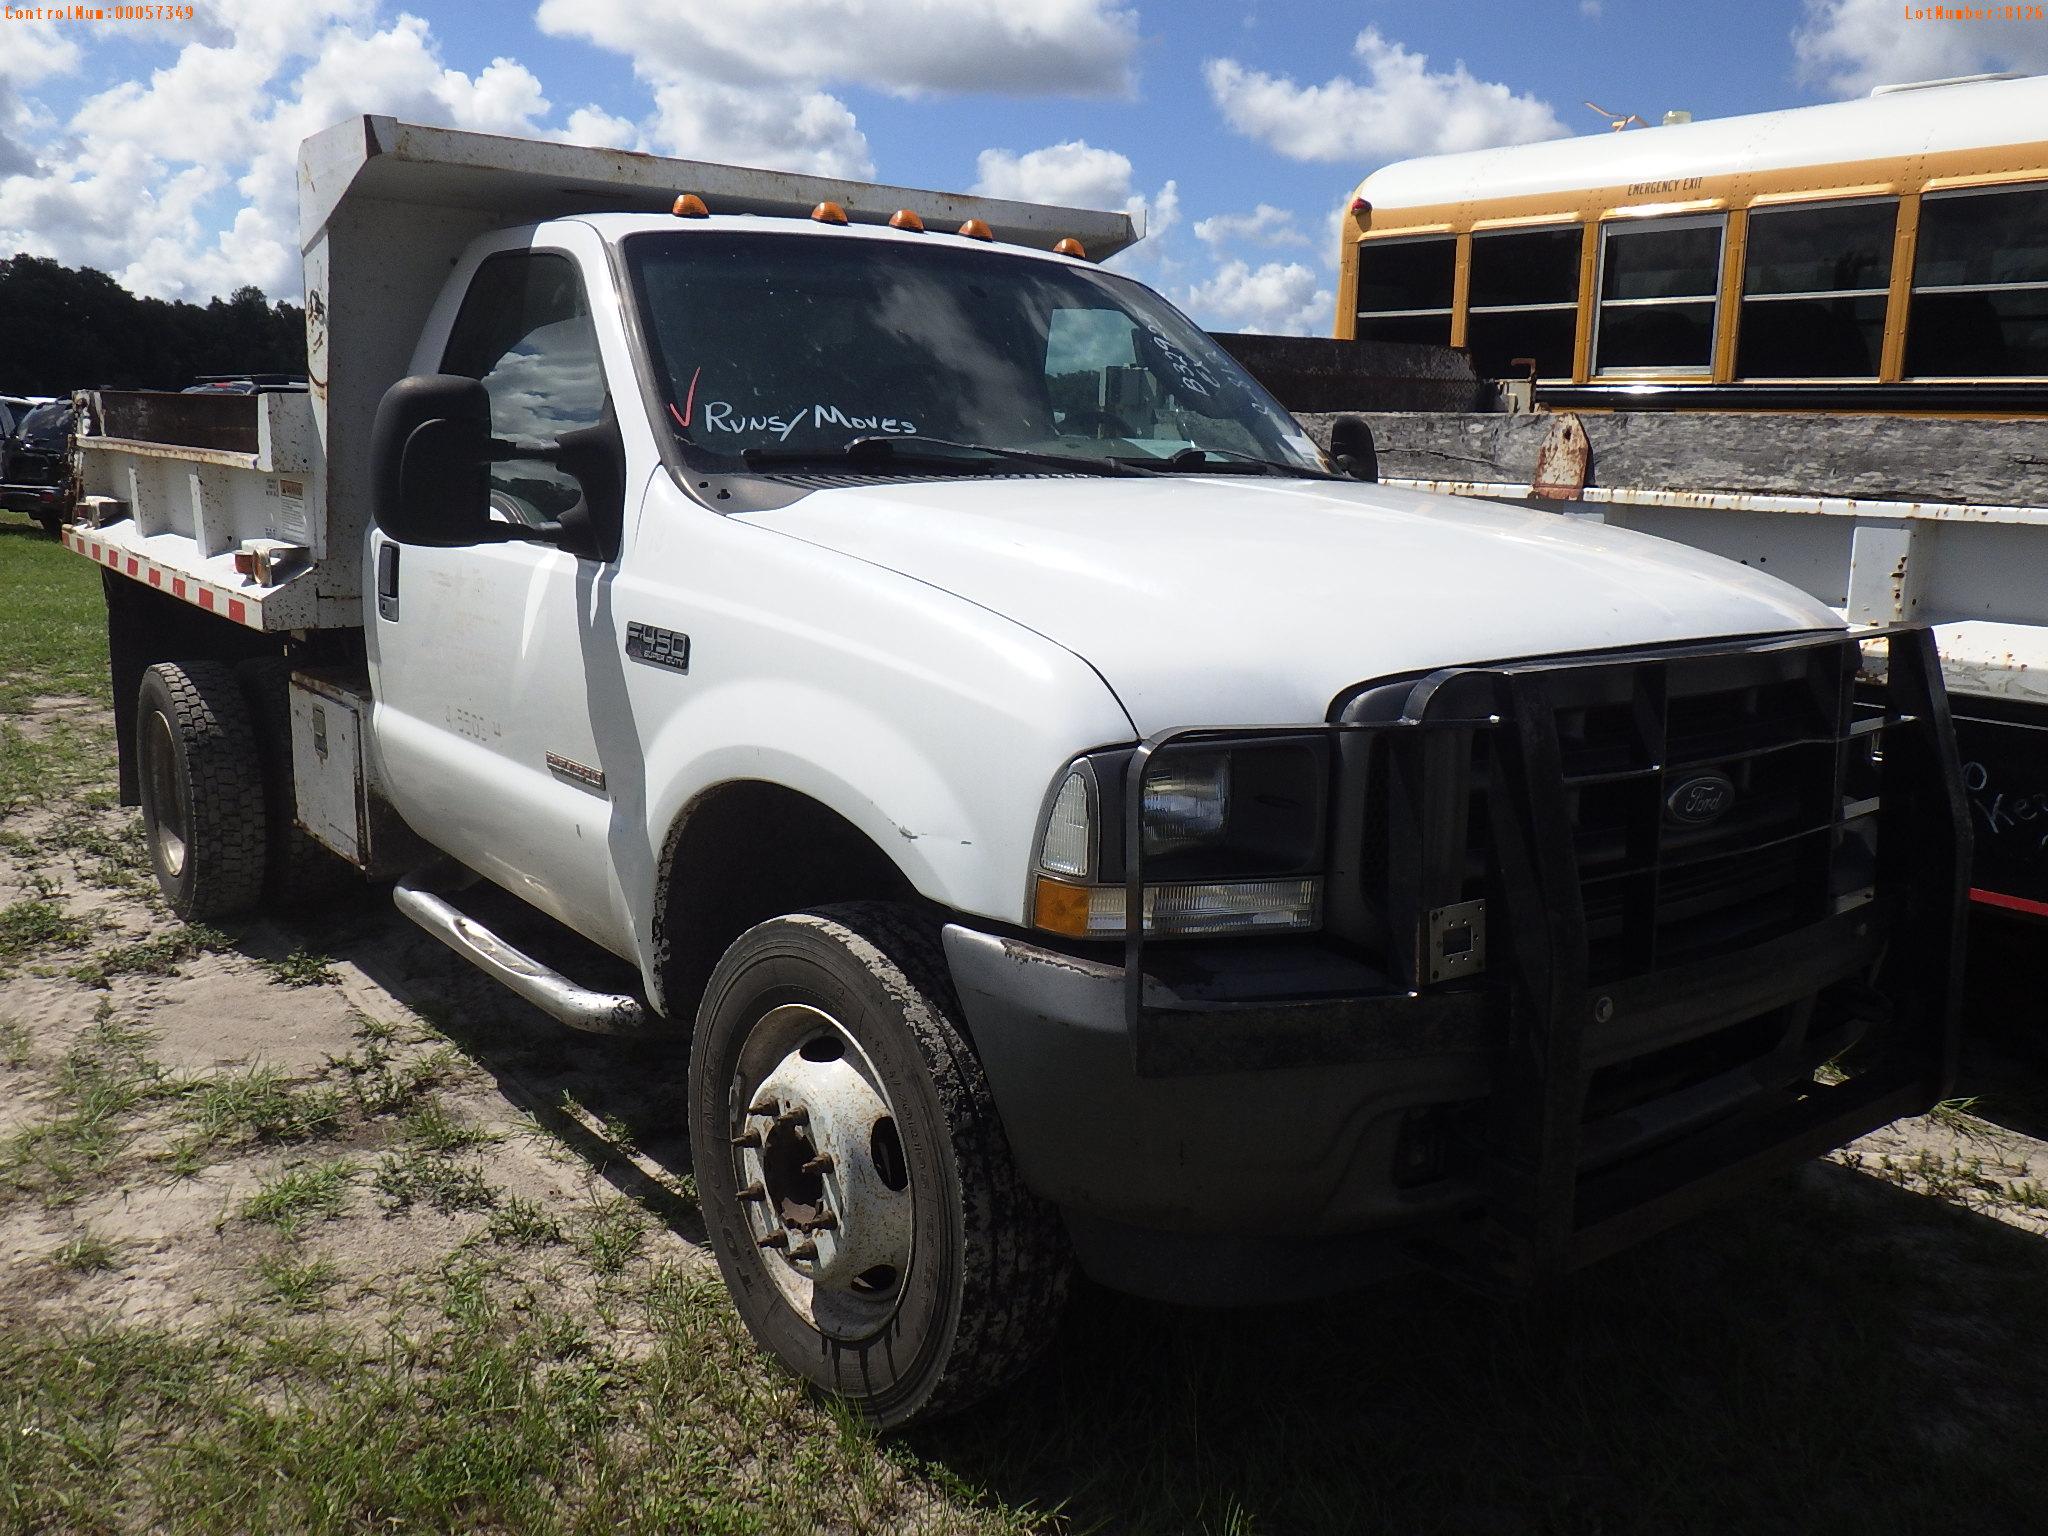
(1545,1210)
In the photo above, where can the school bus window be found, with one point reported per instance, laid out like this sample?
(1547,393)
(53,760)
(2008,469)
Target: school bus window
(1404,289)
(1524,301)
(1658,281)
(1814,285)
(1980,285)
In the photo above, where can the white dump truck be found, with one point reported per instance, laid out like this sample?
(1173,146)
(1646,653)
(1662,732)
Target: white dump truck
(1081,823)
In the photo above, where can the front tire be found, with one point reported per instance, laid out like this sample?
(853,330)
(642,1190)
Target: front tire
(202,789)
(856,1184)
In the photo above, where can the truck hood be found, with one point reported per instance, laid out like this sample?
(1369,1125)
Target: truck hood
(1234,600)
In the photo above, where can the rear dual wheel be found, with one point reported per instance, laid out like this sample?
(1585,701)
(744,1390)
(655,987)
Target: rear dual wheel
(203,809)
(855,1179)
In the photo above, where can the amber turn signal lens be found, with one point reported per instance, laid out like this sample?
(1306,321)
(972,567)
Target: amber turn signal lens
(690,206)
(974,229)
(1058,907)
(903,218)
(829,213)
(1071,247)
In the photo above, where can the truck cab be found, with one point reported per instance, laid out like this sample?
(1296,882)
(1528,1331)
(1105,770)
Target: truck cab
(1078,824)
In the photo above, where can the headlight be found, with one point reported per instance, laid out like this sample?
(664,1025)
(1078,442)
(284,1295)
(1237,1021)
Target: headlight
(1231,840)
(1187,803)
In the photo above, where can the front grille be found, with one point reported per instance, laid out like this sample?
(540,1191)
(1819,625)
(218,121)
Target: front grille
(1772,725)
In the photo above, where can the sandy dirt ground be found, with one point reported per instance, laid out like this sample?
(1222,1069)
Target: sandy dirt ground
(353,1003)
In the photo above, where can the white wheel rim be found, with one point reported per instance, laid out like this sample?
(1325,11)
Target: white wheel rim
(823,1185)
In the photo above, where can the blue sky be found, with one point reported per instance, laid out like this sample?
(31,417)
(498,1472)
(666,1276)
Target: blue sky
(162,152)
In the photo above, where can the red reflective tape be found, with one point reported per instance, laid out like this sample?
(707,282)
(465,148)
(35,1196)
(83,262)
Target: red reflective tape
(156,577)
(206,597)
(2009,903)
(177,586)
(131,565)
(237,610)
(95,551)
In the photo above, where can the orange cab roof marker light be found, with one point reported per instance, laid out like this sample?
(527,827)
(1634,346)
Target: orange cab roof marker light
(829,213)
(974,229)
(1071,247)
(905,218)
(690,206)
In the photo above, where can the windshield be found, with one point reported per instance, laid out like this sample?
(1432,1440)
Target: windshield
(779,347)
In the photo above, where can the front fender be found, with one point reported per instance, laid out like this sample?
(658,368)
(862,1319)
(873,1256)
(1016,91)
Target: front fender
(932,725)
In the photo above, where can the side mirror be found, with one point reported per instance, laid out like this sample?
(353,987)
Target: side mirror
(430,458)
(1352,450)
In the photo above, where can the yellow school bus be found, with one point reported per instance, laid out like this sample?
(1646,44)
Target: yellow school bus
(1887,253)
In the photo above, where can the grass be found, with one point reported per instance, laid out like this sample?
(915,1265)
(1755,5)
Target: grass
(87,1254)
(380,1083)
(298,1195)
(101,1081)
(53,624)
(15,1046)
(300,1285)
(523,1223)
(302,968)
(430,1128)
(419,1177)
(262,1104)
(36,927)
(159,955)
(610,1235)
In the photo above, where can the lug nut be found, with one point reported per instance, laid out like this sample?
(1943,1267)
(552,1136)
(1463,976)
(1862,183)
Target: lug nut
(747,1139)
(820,1223)
(753,1192)
(822,1163)
(775,1239)
(804,1250)
(796,1114)
(765,1107)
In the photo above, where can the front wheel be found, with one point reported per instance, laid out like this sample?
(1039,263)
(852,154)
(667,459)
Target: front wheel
(856,1183)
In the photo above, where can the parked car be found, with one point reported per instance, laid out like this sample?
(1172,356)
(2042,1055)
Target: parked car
(35,476)
(1079,823)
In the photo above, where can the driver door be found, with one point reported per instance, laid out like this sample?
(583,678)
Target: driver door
(483,714)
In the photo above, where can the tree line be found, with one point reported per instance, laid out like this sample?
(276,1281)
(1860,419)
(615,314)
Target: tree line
(64,328)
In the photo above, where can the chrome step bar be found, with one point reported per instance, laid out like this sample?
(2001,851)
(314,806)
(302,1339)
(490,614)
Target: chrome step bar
(603,1013)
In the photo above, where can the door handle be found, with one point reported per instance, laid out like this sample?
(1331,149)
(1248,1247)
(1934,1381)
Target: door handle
(387,581)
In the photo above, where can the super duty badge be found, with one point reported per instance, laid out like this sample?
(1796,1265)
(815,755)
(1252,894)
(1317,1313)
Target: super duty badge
(658,647)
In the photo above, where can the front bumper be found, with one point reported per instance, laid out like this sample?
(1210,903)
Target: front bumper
(1283,1131)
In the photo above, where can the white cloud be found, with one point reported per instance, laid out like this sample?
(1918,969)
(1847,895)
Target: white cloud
(1278,298)
(34,54)
(782,130)
(1402,107)
(594,125)
(1048,47)
(1264,225)
(1851,45)
(1074,174)
(1590,9)
(133,183)
(750,80)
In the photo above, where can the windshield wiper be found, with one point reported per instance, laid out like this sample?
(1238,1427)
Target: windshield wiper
(1198,458)
(918,448)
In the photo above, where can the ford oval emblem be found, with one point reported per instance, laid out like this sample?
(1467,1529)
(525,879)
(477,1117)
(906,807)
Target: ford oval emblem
(1700,800)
